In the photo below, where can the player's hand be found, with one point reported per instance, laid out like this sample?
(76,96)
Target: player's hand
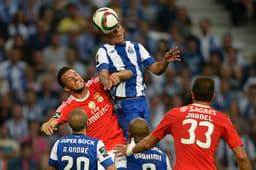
(172,55)
(107,85)
(114,78)
(121,150)
(48,128)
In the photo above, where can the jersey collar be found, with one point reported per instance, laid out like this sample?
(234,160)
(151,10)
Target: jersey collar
(83,99)
(200,105)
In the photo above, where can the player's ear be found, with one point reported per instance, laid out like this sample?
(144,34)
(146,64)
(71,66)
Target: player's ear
(66,89)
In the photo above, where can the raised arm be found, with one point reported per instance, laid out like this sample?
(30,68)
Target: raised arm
(242,159)
(159,67)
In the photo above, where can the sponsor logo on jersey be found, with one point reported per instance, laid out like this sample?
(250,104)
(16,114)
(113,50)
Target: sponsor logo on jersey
(184,108)
(100,99)
(103,151)
(130,50)
(57,115)
(91,105)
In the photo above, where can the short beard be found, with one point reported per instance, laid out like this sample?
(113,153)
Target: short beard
(79,90)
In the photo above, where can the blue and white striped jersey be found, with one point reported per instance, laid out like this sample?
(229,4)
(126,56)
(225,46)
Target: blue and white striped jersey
(127,56)
(79,152)
(153,159)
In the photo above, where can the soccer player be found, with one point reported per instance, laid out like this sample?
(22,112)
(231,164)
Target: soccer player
(78,151)
(91,97)
(151,159)
(118,54)
(196,129)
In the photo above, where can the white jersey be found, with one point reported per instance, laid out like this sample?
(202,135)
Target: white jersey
(127,56)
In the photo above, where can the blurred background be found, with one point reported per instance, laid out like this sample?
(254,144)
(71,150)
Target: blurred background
(37,37)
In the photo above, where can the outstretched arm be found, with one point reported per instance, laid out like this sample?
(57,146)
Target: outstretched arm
(50,126)
(242,159)
(159,67)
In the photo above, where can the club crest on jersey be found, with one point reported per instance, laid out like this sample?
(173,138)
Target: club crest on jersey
(100,99)
(184,108)
(130,50)
(91,105)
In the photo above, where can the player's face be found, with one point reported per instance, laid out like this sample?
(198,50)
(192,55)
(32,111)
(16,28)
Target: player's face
(118,35)
(73,81)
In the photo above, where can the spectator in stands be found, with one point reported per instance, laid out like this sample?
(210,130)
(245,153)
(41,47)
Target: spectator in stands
(223,98)
(247,103)
(40,146)
(55,52)
(166,15)
(31,110)
(19,25)
(208,42)
(191,56)
(73,20)
(183,22)
(72,61)
(13,70)
(24,161)
(41,38)
(225,155)
(47,97)
(147,11)
(17,125)
(9,148)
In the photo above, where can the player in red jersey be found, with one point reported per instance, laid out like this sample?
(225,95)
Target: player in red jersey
(196,129)
(91,97)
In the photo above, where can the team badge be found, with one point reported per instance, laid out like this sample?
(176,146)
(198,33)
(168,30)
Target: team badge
(130,50)
(100,99)
(184,108)
(96,95)
(91,105)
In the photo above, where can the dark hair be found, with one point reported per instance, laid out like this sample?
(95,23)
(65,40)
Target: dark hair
(203,89)
(62,71)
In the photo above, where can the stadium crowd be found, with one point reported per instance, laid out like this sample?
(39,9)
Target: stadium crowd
(37,37)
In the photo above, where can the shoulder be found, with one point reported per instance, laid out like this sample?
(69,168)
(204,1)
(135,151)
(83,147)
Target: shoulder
(92,81)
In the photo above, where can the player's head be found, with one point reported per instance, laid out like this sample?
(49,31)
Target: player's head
(78,120)
(203,89)
(116,36)
(138,129)
(70,80)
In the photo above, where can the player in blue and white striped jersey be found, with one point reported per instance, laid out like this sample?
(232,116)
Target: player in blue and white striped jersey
(153,159)
(78,151)
(118,54)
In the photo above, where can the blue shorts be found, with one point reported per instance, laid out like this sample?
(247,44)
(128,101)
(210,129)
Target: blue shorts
(129,109)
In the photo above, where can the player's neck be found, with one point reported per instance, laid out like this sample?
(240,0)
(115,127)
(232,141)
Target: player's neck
(81,95)
(202,103)
(79,133)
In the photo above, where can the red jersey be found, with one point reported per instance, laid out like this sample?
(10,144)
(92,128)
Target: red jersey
(196,130)
(103,123)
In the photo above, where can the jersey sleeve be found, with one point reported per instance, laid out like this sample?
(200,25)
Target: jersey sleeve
(230,134)
(164,126)
(53,160)
(103,155)
(102,61)
(62,112)
(146,59)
